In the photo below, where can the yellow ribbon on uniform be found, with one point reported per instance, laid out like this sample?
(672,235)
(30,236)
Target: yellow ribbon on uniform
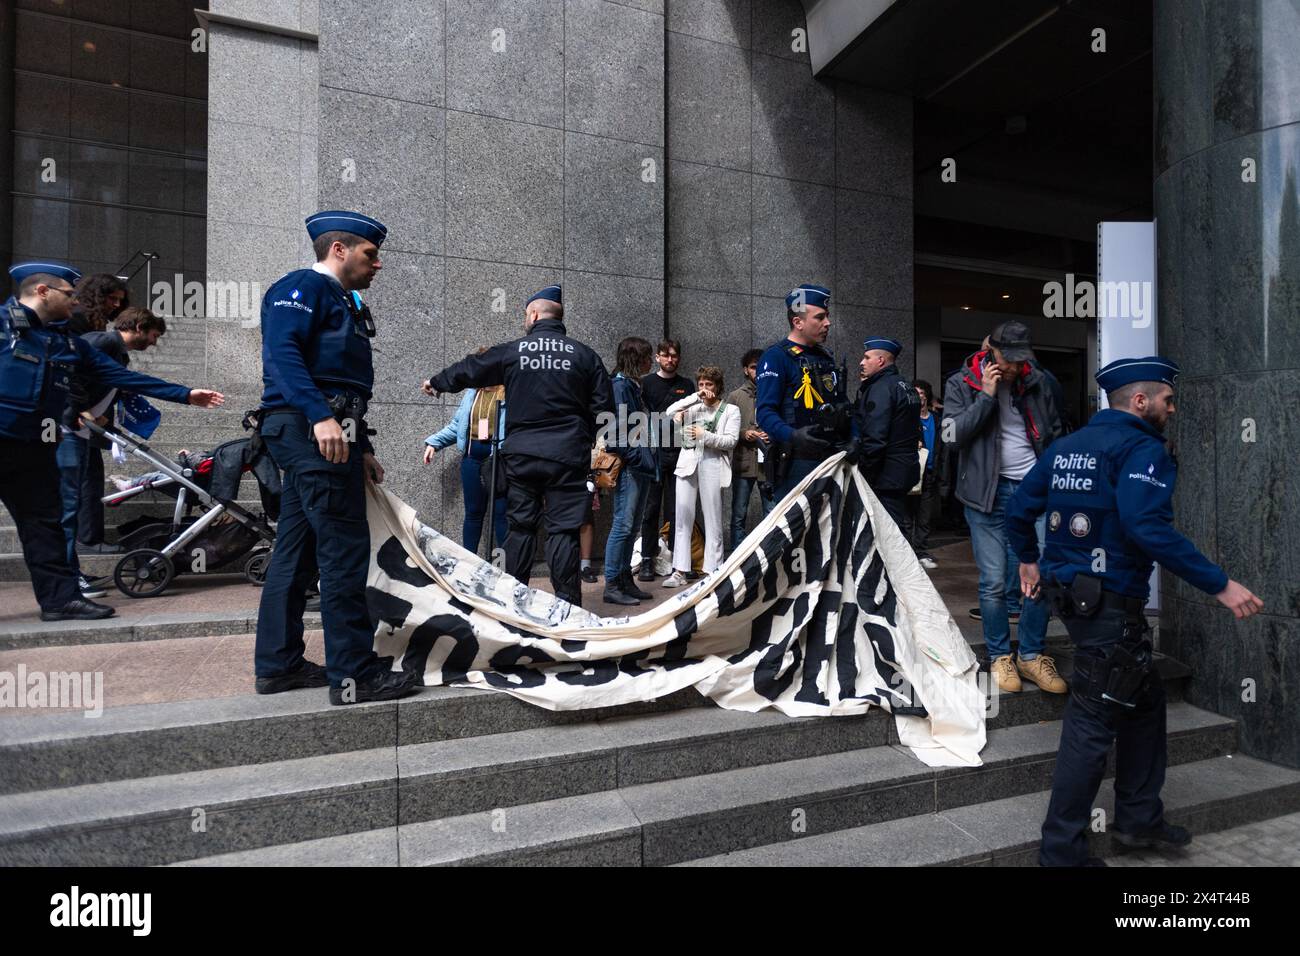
(807,391)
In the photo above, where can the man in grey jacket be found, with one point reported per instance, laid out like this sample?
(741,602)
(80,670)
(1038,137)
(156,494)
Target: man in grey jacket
(1000,415)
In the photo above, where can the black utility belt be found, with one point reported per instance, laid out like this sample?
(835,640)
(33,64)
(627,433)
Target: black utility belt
(1085,596)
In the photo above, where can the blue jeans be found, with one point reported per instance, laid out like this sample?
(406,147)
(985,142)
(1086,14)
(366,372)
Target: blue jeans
(476,500)
(741,489)
(988,539)
(72,455)
(630,496)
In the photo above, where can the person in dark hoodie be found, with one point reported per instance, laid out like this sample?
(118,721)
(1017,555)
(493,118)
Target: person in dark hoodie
(1000,414)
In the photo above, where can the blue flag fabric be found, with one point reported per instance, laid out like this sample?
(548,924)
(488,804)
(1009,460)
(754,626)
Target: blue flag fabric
(138,416)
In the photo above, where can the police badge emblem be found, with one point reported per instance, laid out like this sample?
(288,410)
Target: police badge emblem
(1054,521)
(1080,525)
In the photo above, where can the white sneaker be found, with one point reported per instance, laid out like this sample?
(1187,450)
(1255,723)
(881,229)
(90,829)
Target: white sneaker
(89,590)
(928,563)
(675,580)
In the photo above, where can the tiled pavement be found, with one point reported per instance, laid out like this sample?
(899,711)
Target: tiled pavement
(1273,842)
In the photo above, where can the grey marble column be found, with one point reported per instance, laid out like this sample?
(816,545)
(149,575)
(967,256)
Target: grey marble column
(1227,198)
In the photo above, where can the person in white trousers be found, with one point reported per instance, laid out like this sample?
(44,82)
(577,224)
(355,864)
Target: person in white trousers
(710,430)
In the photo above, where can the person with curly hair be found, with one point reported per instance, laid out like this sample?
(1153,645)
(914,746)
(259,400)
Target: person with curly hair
(98,300)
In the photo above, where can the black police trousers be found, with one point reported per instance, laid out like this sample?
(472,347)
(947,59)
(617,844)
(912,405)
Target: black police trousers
(322,530)
(1089,729)
(530,483)
(29,488)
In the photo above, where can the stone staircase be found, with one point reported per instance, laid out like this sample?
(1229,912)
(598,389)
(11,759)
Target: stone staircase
(475,777)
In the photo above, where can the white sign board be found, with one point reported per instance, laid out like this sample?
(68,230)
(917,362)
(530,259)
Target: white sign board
(1126,305)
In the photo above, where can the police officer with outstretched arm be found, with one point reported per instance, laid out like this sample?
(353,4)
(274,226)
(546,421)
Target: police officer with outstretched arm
(1107,491)
(887,422)
(39,362)
(317,378)
(798,385)
(557,389)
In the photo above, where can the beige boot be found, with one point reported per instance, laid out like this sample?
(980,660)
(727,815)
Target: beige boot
(1042,671)
(1004,672)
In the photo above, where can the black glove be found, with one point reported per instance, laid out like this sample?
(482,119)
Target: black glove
(808,445)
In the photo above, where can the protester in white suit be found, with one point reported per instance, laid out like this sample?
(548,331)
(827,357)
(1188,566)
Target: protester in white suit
(710,430)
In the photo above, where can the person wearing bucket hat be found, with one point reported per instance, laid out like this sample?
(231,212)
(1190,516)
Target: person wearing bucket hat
(1107,493)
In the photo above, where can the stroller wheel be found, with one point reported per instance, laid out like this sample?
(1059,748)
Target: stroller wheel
(255,567)
(143,573)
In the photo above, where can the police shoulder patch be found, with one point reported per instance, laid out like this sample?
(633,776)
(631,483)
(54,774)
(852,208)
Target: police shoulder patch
(796,350)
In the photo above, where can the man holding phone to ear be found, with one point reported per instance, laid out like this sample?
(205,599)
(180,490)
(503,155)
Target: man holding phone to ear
(1000,416)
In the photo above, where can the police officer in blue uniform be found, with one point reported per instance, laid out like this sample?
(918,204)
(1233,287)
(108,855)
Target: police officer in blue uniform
(39,361)
(556,389)
(800,390)
(887,423)
(1107,491)
(317,379)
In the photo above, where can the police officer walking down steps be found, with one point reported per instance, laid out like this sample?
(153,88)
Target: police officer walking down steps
(1107,490)
(40,360)
(801,394)
(557,387)
(888,425)
(317,378)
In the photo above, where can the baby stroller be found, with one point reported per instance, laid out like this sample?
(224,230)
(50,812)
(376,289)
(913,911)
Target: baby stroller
(224,537)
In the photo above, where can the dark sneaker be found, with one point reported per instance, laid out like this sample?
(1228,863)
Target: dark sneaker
(1165,836)
(647,572)
(588,574)
(615,595)
(975,614)
(89,589)
(79,609)
(308,674)
(381,685)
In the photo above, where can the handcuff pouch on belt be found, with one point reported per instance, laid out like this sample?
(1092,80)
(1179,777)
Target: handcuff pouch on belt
(1080,598)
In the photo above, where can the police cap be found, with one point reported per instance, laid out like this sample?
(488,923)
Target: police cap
(885,345)
(1126,371)
(808,294)
(21,271)
(339,220)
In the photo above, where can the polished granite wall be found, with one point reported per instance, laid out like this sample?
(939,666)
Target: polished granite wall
(1228,90)
(673,164)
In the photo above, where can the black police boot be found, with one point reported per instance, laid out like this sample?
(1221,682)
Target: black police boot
(614,594)
(647,572)
(308,674)
(79,609)
(588,574)
(1165,836)
(381,685)
(628,586)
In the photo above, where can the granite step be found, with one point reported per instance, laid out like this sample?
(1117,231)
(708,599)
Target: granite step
(1218,793)
(162,625)
(699,783)
(65,749)
(695,817)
